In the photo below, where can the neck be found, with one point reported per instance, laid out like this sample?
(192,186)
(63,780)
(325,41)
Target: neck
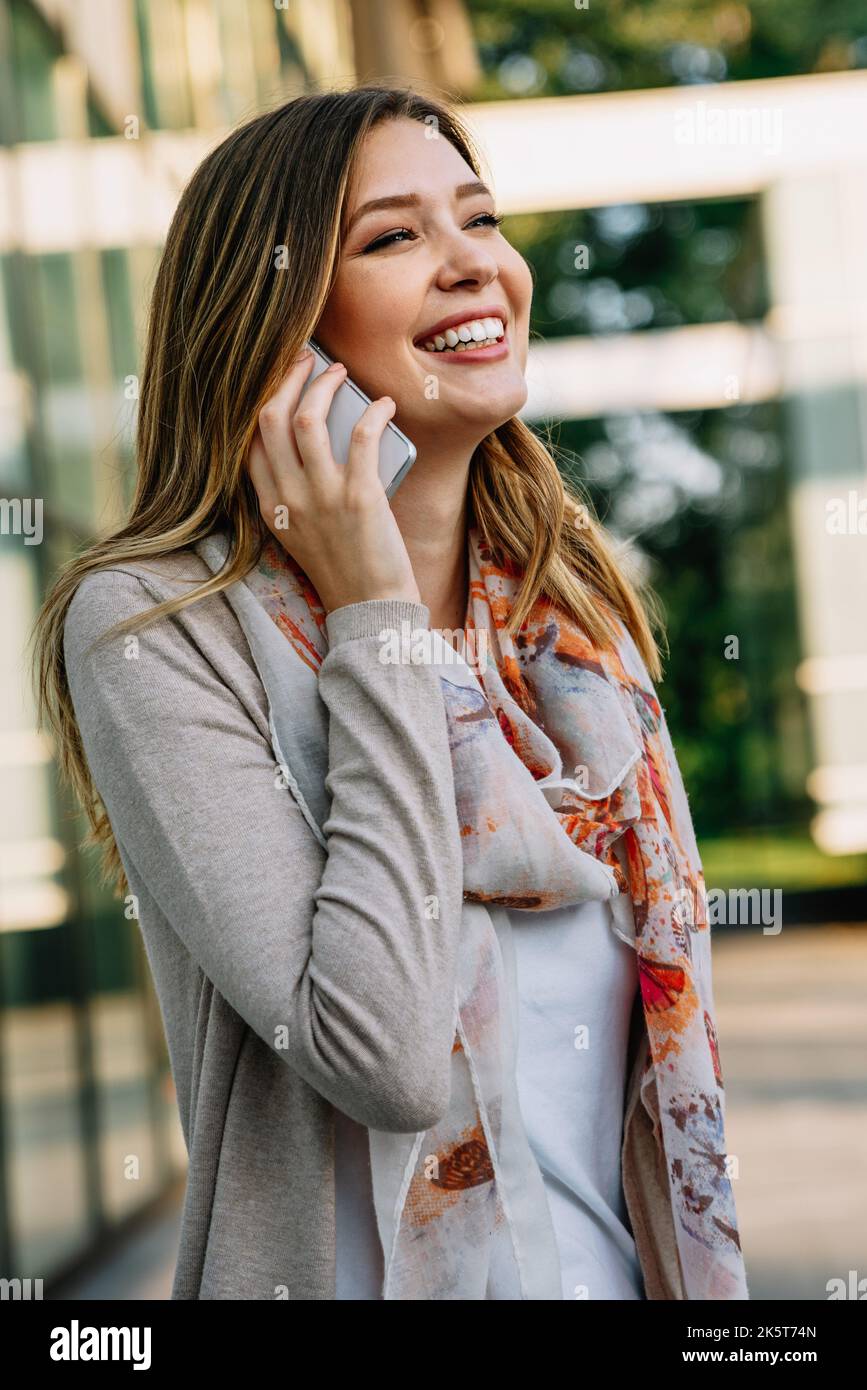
(430,508)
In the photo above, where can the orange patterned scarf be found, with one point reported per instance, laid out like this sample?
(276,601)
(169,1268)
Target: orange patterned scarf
(567,790)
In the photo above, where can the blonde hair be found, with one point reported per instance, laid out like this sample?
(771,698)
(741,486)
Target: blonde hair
(223,328)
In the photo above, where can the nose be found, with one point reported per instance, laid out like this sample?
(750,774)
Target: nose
(464,261)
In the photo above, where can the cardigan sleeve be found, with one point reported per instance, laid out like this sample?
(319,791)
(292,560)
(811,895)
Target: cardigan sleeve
(343,961)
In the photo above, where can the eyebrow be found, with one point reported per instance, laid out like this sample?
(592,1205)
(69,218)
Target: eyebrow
(407,200)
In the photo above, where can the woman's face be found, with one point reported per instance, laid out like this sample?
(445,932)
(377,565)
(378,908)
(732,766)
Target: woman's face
(404,269)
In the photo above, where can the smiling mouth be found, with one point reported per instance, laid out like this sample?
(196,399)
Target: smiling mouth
(470,336)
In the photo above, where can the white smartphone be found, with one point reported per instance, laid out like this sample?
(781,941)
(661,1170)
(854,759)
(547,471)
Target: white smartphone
(396,452)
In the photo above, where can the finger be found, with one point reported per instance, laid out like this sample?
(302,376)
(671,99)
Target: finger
(262,477)
(309,422)
(257,462)
(363,462)
(275,413)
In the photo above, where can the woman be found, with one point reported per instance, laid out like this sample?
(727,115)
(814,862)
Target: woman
(425,1044)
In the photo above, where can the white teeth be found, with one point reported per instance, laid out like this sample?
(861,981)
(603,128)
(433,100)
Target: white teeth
(475,332)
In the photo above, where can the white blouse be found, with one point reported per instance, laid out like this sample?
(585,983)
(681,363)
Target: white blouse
(576,987)
(577,983)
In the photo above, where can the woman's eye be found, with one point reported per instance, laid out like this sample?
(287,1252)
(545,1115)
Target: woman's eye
(491,219)
(387,240)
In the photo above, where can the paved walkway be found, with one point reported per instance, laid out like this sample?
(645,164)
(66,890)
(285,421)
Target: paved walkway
(792,1013)
(141,1270)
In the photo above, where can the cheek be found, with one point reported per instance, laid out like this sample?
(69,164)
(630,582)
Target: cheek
(363,324)
(517,278)
(373,308)
(520,280)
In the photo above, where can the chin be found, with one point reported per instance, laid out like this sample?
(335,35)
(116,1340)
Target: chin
(507,404)
(474,413)
(483,422)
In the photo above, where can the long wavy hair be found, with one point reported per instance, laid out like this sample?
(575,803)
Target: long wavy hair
(224,326)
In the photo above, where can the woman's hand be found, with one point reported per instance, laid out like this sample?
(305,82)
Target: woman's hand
(341,530)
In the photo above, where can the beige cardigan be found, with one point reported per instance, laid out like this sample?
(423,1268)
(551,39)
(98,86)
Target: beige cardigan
(273,1014)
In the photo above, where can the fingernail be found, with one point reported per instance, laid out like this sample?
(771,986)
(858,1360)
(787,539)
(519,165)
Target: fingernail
(337,367)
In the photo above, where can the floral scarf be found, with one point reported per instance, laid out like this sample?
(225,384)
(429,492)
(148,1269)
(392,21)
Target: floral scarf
(567,790)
